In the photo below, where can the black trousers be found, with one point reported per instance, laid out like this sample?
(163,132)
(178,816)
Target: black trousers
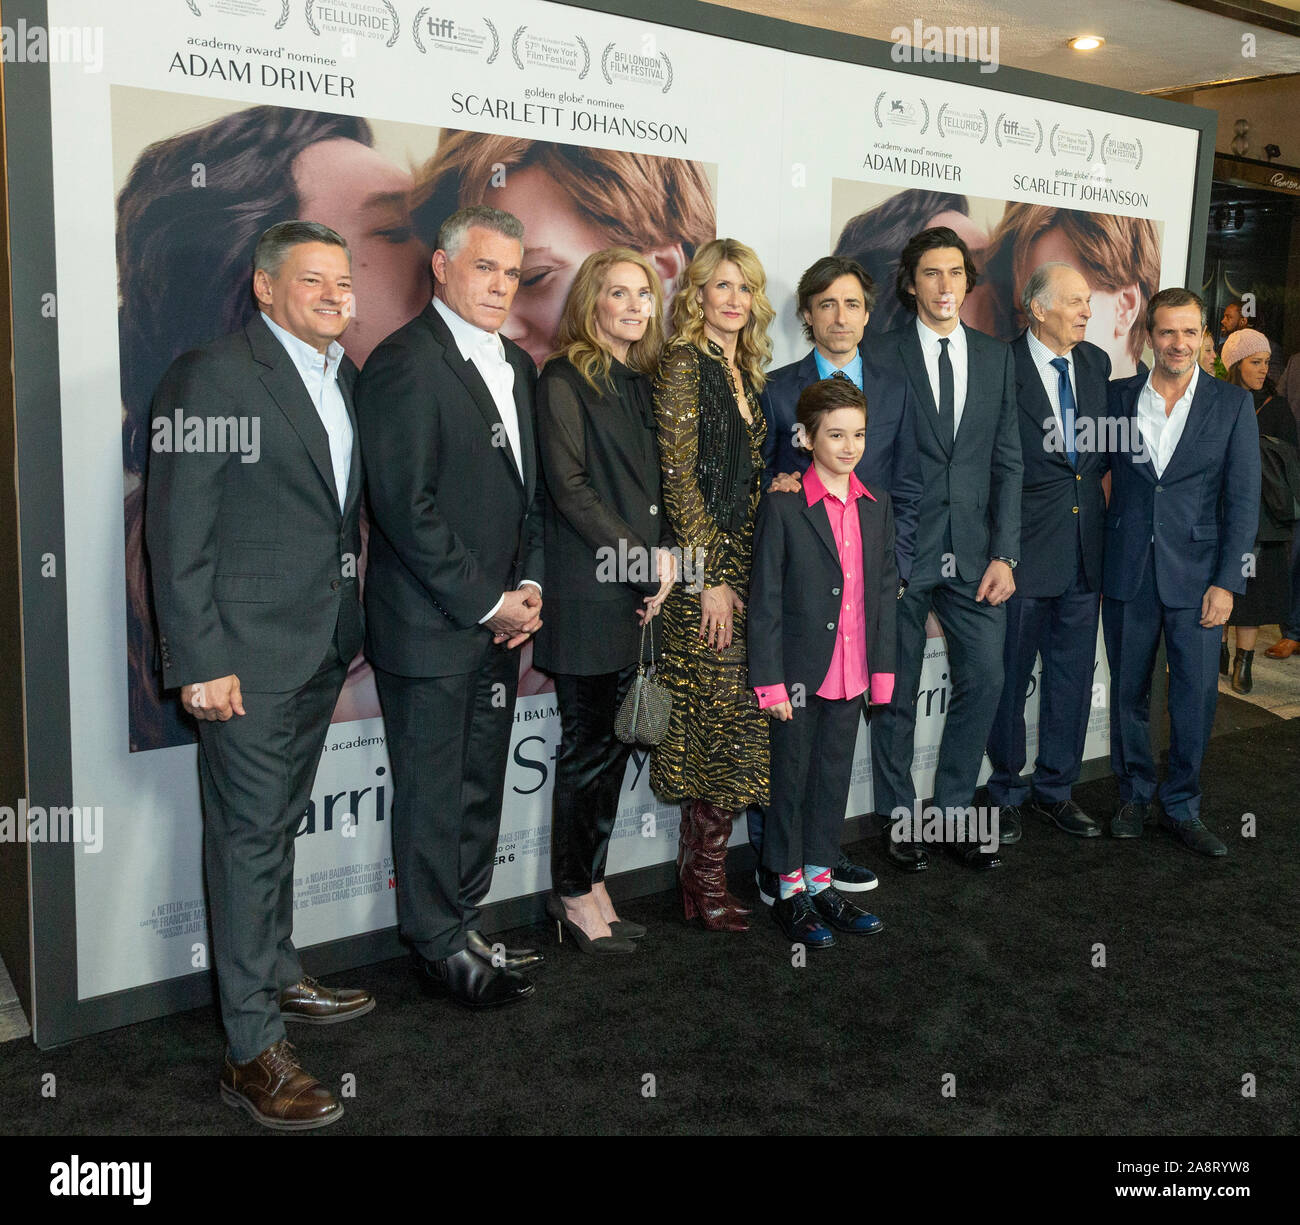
(588,778)
(448,744)
(974,634)
(255,776)
(812,768)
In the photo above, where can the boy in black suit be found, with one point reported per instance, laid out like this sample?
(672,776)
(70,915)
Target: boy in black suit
(822,606)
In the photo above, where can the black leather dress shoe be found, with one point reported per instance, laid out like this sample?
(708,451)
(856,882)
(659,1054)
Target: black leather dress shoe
(1068,816)
(838,912)
(1009,827)
(906,856)
(1194,836)
(969,854)
(1128,819)
(470,981)
(801,923)
(509,959)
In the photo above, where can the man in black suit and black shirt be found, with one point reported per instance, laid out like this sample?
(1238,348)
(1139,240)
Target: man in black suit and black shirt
(967,541)
(253,552)
(453,584)
(1061,388)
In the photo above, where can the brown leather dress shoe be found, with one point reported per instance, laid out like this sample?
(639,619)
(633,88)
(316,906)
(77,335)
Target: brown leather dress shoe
(1283,648)
(275,1090)
(311,1004)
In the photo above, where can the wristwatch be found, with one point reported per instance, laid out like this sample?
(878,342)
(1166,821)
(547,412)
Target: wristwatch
(1010,561)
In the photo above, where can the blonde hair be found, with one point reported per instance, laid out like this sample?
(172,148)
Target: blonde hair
(577,338)
(754,347)
(634,199)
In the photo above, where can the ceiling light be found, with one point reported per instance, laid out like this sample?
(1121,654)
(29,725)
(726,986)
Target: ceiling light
(1086,42)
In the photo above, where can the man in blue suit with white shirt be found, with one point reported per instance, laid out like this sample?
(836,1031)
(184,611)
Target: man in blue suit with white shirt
(835,297)
(1179,533)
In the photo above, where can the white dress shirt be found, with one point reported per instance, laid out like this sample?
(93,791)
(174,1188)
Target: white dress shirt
(930,349)
(488,354)
(1161,433)
(1051,376)
(320,375)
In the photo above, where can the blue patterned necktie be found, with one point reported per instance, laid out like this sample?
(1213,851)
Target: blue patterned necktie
(1066,393)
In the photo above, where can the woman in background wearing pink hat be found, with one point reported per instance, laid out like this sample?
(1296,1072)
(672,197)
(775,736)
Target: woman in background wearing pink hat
(1245,355)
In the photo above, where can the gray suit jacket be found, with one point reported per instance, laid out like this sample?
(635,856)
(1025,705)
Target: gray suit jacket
(253,564)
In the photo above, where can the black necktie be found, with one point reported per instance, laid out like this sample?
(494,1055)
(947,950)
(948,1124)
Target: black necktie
(947,398)
(839,374)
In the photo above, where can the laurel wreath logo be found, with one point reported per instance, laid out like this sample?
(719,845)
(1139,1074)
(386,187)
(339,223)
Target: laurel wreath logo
(514,47)
(496,41)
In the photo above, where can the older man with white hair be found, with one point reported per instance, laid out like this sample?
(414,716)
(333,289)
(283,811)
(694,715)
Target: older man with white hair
(1061,393)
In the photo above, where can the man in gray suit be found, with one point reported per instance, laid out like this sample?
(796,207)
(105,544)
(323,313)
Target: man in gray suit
(254,489)
(968,538)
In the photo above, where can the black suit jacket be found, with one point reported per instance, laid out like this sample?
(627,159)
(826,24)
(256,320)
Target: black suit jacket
(453,524)
(1060,504)
(971,483)
(604,516)
(889,461)
(795,591)
(254,565)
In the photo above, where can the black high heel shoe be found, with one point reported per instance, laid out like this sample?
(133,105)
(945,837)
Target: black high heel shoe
(601,945)
(625,929)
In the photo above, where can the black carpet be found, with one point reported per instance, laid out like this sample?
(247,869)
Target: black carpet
(982,983)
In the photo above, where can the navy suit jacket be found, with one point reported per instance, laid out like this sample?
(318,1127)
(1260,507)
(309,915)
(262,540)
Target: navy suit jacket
(1060,504)
(889,461)
(971,483)
(1203,510)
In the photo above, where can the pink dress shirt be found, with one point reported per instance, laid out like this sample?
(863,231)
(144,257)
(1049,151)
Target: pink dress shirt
(848,676)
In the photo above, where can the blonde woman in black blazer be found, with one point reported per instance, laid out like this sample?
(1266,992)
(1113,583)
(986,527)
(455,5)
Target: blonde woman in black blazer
(607,566)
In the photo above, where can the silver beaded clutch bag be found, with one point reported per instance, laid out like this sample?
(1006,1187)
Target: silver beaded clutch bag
(643,717)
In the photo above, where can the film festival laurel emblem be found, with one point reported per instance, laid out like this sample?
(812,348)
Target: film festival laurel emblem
(894,111)
(974,125)
(1116,151)
(279,9)
(1072,142)
(549,51)
(373,19)
(1019,133)
(447,34)
(637,67)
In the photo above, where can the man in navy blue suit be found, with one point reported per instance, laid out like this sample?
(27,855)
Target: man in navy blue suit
(835,297)
(1061,389)
(1179,533)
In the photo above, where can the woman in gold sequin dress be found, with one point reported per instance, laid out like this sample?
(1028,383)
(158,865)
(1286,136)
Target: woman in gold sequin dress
(714,759)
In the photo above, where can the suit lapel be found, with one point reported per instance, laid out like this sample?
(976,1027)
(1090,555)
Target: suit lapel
(1031,396)
(282,380)
(347,385)
(1128,399)
(467,374)
(1197,413)
(524,414)
(821,523)
(909,348)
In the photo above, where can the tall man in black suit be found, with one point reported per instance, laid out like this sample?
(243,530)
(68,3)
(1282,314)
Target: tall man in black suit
(835,297)
(1061,383)
(445,407)
(968,536)
(1180,530)
(253,550)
